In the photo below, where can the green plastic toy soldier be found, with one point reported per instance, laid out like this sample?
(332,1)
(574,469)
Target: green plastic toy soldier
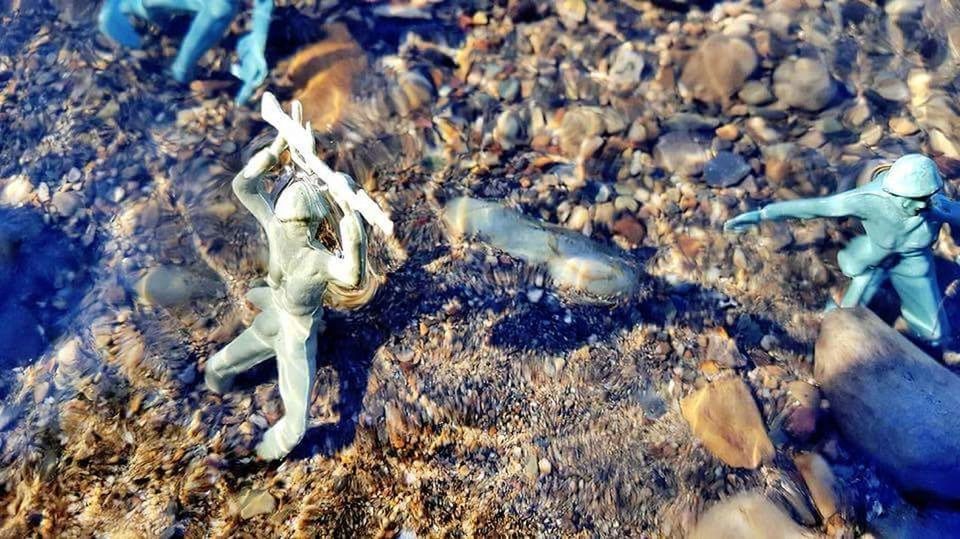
(902,209)
(303,276)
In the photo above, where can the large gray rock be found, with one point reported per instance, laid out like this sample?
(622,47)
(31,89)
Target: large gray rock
(894,402)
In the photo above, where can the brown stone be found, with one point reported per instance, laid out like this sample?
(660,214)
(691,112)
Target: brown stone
(323,76)
(724,416)
(820,482)
(630,228)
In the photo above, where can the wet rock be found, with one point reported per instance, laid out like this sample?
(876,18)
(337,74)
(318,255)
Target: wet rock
(171,285)
(66,203)
(718,69)
(417,91)
(729,132)
(626,64)
(748,515)
(892,401)
(891,88)
(722,349)
(323,75)
(508,130)
(571,12)
(903,127)
(396,426)
(575,263)
(820,482)
(725,169)
(256,502)
(631,229)
(804,83)
(681,153)
(724,416)
(18,191)
(944,144)
(759,131)
(801,420)
(756,93)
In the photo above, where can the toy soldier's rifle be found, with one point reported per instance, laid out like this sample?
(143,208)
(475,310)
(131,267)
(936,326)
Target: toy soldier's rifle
(300,142)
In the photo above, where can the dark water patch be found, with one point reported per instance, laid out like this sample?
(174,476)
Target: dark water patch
(43,274)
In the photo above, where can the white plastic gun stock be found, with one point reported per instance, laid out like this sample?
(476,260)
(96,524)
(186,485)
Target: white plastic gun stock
(300,141)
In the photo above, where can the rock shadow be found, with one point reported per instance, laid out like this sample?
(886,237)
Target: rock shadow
(554,327)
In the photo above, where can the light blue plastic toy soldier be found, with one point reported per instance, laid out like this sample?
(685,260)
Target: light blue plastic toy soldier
(210,20)
(902,209)
(303,275)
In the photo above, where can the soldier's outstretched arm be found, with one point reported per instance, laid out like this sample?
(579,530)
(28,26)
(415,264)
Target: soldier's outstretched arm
(248,183)
(946,209)
(838,205)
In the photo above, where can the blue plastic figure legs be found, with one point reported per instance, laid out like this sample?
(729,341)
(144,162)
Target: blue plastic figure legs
(211,19)
(921,304)
(114,22)
(863,287)
(915,282)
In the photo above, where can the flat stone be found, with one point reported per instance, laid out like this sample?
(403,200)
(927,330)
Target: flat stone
(756,93)
(903,127)
(725,169)
(891,88)
(892,401)
(256,502)
(172,285)
(66,203)
(724,416)
(680,153)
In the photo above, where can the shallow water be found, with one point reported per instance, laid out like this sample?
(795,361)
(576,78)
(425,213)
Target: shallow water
(534,367)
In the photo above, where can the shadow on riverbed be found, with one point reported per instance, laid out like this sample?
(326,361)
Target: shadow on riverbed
(42,276)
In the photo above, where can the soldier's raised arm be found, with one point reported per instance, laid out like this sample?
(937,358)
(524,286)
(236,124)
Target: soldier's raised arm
(248,183)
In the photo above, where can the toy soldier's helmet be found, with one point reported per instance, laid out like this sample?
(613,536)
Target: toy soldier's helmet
(913,176)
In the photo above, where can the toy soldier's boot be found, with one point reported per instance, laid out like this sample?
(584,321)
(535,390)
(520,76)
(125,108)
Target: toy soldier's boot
(296,367)
(243,353)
